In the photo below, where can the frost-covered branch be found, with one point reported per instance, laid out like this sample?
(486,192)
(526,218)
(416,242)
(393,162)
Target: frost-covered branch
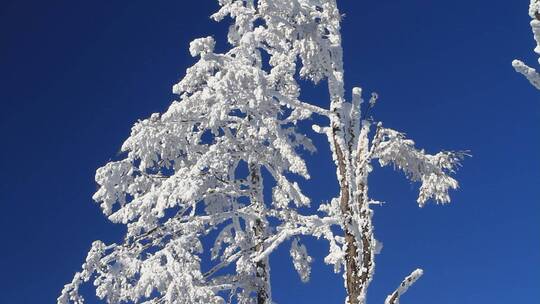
(530,73)
(305,225)
(301,105)
(431,170)
(193,175)
(189,159)
(403,287)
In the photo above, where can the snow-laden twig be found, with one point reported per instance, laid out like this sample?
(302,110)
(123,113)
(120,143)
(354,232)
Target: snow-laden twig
(394,297)
(294,103)
(530,73)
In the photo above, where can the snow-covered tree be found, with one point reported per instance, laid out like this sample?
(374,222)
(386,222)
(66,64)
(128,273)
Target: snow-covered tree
(194,175)
(531,74)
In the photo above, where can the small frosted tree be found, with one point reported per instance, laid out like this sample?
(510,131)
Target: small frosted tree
(530,73)
(194,175)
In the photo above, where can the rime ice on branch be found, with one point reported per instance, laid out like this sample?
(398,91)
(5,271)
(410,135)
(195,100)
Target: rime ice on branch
(530,73)
(194,174)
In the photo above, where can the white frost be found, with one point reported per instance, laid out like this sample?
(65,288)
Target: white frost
(194,173)
(530,73)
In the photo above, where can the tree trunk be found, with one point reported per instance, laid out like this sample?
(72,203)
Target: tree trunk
(353,198)
(351,263)
(359,252)
(356,212)
(259,230)
(263,271)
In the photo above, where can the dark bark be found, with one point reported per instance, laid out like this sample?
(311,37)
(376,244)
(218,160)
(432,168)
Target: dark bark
(351,265)
(359,253)
(259,230)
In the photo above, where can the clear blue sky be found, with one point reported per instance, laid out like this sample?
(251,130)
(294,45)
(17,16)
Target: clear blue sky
(75,76)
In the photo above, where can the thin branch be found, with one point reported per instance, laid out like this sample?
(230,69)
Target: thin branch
(302,105)
(407,282)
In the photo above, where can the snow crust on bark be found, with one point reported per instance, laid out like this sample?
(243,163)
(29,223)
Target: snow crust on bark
(403,287)
(195,174)
(530,73)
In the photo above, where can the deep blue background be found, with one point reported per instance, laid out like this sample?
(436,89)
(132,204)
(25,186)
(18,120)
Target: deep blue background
(75,75)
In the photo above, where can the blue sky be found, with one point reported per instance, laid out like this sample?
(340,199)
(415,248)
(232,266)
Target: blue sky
(75,75)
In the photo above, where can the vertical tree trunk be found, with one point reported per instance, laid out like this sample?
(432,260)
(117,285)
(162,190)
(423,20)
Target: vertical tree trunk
(359,249)
(366,255)
(259,230)
(351,262)
(354,205)
(341,148)
(263,271)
